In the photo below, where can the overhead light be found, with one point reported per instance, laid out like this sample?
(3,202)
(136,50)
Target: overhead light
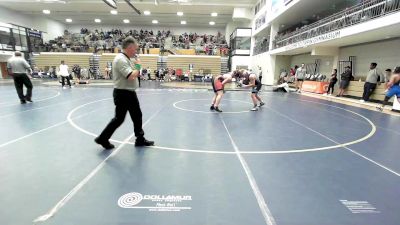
(183,22)
(68,20)
(114,12)
(146,12)
(155,2)
(214,14)
(126,21)
(212,23)
(111,3)
(155,21)
(97,20)
(46,11)
(179,13)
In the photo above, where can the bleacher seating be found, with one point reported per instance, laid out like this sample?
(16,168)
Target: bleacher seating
(200,63)
(110,42)
(44,60)
(147,61)
(356,89)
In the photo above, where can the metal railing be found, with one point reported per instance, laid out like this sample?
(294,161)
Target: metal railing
(360,13)
(261,46)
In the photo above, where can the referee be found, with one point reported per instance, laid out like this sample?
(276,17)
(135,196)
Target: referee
(17,68)
(125,76)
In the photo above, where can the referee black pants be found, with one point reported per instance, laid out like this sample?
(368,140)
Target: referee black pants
(21,79)
(125,101)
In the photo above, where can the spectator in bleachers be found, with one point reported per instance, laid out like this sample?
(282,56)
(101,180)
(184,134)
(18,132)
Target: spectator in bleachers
(148,47)
(260,73)
(77,71)
(107,71)
(157,74)
(142,46)
(148,72)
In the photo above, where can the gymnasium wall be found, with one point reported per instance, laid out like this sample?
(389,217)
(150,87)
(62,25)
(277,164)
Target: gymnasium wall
(271,66)
(51,28)
(11,16)
(385,53)
(231,26)
(382,52)
(281,64)
(326,66)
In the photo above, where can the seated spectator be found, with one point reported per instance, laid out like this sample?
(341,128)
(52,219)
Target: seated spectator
(282,77)
(284,87)
(345,80)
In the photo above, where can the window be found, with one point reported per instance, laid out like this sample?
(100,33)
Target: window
(5,39)
(258,6)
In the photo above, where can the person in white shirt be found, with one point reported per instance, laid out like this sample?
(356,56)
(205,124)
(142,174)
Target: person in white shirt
(64,73)
(107,72)
(148,47)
